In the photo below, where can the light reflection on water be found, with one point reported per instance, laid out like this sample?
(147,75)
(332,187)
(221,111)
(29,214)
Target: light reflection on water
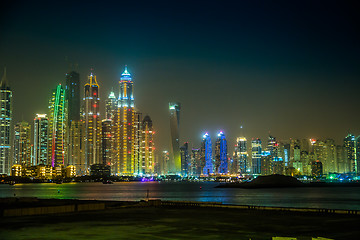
(333,198)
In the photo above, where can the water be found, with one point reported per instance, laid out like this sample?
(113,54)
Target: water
(332,198)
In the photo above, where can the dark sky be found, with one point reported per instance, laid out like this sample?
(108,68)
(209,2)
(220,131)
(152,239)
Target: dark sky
(289,67)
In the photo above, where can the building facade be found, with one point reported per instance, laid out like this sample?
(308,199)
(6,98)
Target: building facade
(175,161)
(221,162)
(57,147)
(5,126)
(41,127)
(92,122)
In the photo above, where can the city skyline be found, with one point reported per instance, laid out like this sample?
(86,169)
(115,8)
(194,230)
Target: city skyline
(300,81)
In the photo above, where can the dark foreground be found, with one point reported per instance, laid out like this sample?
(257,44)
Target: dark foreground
(149,222)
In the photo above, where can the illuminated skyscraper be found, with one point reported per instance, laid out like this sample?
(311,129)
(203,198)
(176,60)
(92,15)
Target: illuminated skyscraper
(92,122)
(221,164)
(206,155)
(22,144)
(138,164)
(175,161)
(72,89)
(41,124)
(5,125)
(242,155)
(357,155)
(256,156)
(124,126)
(76,147)
(57,127)
(111,106)
(185,159)
(196,169)
(147,146)
(350,148)
(106,142)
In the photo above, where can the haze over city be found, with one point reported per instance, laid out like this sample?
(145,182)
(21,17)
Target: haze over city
(288,68)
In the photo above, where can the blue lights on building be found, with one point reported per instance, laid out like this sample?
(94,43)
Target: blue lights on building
(207,149)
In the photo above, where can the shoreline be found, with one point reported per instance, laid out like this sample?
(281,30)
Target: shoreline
(13,206)
(177,220)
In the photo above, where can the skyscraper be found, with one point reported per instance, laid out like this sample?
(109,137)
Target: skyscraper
(242,155)
(72,89)
(22,144)
(41,124)
(206,155)
(106,143)
(350,148)
(221,164)
(124,126)
(92,122)
(185,159)
(138,130)
(111,106)
(256,156)
(76,147)
(5,125)
(175,161)
(57,127)
(147,146)
(196,169)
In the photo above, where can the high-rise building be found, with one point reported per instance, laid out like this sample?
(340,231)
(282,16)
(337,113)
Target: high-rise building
(106,142)
(76,147)
(41,124)
(241,155)
(57,127)
(165,161)
(350,148)
(195,169)
(206,155)
(5,125)
(72,89)
(125,126)
(185,159)
(256,156)
(221,164)
(138,130)
(147,146)
(174,108)
(357,155)
(22,144)
(111,106)
(92,138)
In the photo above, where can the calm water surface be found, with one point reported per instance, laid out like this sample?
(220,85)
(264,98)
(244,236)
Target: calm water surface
(333,198)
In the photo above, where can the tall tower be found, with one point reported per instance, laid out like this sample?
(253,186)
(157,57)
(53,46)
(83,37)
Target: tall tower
(73,96)
(110,106)
(125,131)
(242,155)
(41,124)
(76,147)
(22,146)
(256,156)
(57,127)
(350,148)
(92,122)
(221,165)
(175,162)
(138,130)
(147,146)
(206,155)
(5,125)
(185,159)
(106,142)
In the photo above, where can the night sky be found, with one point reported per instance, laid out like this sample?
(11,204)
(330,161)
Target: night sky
(288,67)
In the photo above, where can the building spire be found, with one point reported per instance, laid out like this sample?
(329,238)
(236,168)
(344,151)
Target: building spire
(4,81)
